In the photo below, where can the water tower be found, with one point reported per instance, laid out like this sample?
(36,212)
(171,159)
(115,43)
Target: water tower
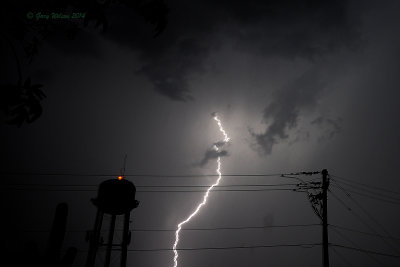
(116,197)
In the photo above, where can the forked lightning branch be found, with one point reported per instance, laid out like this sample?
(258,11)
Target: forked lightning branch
(217,148)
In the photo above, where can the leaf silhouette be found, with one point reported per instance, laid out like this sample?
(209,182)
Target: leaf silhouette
(22,103)
(155,12)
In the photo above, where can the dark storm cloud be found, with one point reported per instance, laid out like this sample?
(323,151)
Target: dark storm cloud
(330,126)
(187,31)
(281,28)
(283,111)
(169,59)
(219,144)
(169,72)
(212,154)
(290,29)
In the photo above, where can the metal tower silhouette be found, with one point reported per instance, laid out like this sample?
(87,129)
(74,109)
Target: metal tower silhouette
(116,197)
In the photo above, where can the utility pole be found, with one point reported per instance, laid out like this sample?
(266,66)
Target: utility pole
(325,242)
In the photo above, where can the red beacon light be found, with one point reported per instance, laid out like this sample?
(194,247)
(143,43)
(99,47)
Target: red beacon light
(120,177)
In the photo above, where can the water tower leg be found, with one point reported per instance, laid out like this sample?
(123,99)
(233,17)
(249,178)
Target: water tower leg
(110,241)
(94,239)
(125,240)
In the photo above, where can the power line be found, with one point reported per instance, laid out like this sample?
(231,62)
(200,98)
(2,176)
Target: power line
(362,232)
(354,244)
(135,175)
(364,210)
(360,218)
(367,189)
(292,177)
(155,191)
(304,173)
(369,193)
(366,185)
(367,251)
(236,228)
(340,201)
(150,186)
(305,245)
(149,175)
(390,200)
(200,229)
(53,187)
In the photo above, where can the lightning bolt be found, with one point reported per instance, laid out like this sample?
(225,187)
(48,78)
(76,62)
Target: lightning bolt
(226,139)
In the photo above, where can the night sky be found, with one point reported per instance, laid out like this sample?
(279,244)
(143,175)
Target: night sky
(298,85)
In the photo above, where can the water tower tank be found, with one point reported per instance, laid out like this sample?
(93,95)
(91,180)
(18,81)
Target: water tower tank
(116,197)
